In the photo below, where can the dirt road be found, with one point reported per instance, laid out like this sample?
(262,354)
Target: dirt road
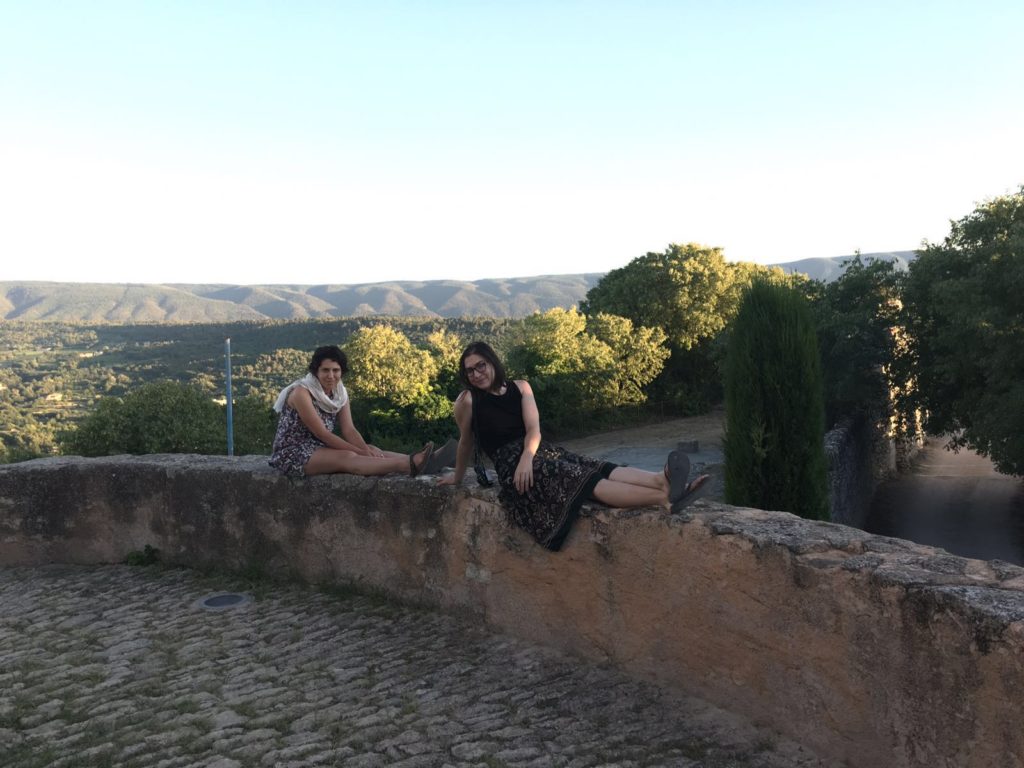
(957,501)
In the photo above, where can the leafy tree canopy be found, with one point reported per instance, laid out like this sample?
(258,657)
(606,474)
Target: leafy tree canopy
(857,322)
(447,349)
(270,372)
(384,364)
(161,417)
(964,313)
(638,355)
(598,362)
(690,291)
(254,424)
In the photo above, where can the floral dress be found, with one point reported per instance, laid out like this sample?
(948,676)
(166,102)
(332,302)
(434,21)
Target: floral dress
(294,443)
(562,480)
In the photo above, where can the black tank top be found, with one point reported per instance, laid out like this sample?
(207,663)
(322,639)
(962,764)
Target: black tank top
(498,418)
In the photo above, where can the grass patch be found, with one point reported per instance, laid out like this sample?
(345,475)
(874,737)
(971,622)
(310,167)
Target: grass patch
(29,756)
(186,706)
(93,675)
(147,556)
(246,710)
(20,707)
(71,715)
(409,705)
(695,750)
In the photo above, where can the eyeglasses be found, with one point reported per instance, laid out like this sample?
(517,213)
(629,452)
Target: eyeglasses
(479,369)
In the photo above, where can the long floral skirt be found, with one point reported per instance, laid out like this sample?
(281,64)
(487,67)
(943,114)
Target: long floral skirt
(562,481)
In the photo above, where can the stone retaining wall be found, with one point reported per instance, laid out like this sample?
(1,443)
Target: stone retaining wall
(860,457)
(869,650)
(851,481)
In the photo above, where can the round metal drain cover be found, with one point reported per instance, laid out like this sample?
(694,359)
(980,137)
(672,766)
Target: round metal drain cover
(223,601)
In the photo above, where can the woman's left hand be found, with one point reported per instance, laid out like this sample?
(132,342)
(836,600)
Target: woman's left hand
(373,450)
(523,478)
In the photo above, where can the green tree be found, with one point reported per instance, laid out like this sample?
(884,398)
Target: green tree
(562,364)
(280,367)
(692,293)
(161,417)
(964,315)
(689,291)
(253,424)
(396,401)
(581,369)
(447,349)
(270,372)
(384,364)
(857,318)
(774,442)
(560,343)
(638,355)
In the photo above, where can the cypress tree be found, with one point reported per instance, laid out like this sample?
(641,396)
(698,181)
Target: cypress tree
(774,403)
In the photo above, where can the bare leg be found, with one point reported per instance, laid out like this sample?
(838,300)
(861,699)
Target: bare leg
(326,461)
(615,493)
(634,476)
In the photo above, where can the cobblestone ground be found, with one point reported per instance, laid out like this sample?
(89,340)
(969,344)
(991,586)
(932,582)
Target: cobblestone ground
(120,666)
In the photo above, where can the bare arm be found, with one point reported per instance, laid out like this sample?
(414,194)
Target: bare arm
(353,436)
(464,419)
(531,420)
(302,401)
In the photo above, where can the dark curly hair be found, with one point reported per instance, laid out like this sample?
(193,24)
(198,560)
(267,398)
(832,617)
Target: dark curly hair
(329,352)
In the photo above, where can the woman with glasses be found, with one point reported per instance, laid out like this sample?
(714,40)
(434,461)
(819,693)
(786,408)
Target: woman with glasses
(543,485)
(310,408)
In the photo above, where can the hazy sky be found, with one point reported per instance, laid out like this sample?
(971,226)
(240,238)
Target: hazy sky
(340,142)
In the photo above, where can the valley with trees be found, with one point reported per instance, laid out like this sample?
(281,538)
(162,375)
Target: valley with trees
(939,340)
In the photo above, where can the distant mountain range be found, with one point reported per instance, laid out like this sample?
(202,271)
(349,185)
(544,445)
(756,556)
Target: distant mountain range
(829,269)
(179,303)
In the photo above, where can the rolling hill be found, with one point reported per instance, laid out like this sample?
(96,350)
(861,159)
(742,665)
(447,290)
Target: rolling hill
(829,269)
(179,303)
(197,303)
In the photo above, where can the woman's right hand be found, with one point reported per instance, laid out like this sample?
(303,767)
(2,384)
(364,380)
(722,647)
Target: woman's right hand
(448,479)
(523,479)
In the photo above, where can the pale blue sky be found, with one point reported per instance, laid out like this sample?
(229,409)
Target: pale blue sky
(339,142)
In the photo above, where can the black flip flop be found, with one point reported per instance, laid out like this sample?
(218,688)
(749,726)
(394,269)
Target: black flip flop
(691,493)
(677,471)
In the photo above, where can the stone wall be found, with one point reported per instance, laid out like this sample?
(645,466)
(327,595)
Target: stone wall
(849,478)
(869,650)
(860,456)
(853,471)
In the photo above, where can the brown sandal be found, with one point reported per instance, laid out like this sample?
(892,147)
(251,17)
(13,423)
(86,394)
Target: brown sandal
(427,451)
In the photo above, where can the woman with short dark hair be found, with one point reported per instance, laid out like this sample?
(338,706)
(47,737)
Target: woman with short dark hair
(543,485)
(310,408)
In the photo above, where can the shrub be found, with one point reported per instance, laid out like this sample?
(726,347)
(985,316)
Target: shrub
(775,424)
(162,417)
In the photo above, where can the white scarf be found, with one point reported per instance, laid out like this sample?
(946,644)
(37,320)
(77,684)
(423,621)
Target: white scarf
(321,398)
